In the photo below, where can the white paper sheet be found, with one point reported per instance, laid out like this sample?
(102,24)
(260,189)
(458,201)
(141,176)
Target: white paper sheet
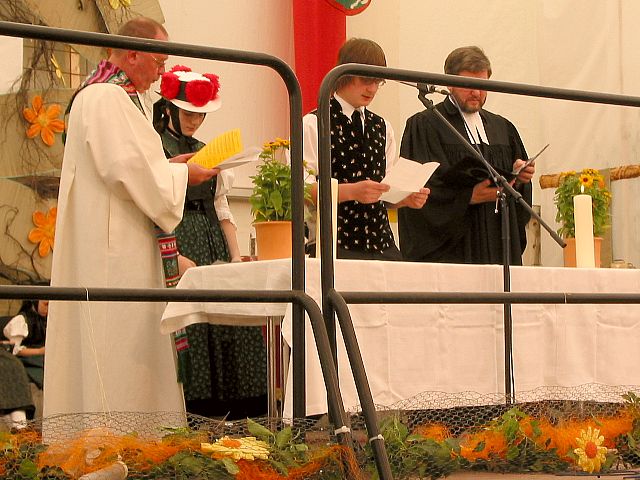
(405,178)
(246,156)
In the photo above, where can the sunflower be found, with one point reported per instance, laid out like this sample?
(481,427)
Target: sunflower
(246,448)
(44,232)
(585,180)
(44,121)
(591,454)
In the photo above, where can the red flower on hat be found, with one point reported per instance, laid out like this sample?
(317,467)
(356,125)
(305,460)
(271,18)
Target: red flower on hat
(180,68)
(215,82)
(199,92)
(169,85)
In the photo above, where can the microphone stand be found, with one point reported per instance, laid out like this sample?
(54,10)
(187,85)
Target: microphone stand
(507,190)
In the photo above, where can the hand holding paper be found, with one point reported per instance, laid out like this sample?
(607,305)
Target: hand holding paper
(405,178)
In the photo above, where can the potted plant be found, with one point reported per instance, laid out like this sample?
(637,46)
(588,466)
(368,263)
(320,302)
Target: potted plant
(570,184)
(271,201)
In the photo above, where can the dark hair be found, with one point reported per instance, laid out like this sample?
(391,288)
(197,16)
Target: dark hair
(471,59)
(160,117)
(28,305)
(141,27)
(359,50)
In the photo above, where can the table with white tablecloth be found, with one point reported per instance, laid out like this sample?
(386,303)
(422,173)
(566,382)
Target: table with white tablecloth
(410,349)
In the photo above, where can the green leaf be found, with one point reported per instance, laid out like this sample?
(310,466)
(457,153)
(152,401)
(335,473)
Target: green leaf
(259,431)
(283,437)
(479,447)
(280,467)
(230,466)
(28,469)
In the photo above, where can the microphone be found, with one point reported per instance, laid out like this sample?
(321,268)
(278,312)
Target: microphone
(427,89)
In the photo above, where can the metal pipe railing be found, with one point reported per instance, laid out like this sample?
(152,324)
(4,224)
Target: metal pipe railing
(324,139)
(295,124)
(331,299)
(296,297)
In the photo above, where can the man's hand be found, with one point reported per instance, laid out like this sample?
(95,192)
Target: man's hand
(366,191)
(199,174)
(484,192)
(527,172)
(415,200)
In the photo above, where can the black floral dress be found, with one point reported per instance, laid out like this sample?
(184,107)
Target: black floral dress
(227,365)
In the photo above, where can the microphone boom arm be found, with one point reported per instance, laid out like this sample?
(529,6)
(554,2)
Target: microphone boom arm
(497,178)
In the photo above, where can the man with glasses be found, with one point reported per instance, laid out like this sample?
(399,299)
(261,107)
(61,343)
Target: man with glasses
(115,185)
(363,150)
(460,223)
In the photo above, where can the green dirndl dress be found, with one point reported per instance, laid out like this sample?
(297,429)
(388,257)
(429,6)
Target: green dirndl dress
(15,393)
(227,374)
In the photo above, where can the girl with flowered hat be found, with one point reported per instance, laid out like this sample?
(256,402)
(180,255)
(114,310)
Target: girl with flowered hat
(226,366)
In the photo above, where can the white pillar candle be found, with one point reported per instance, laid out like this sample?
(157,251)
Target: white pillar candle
(583,218)
(334,217)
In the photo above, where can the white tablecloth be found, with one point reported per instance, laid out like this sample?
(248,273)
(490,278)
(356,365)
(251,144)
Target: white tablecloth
(409,349)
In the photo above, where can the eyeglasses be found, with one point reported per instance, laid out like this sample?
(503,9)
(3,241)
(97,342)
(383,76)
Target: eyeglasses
(159,63)
(372,81)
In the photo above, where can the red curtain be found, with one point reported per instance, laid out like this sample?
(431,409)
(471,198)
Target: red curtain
(319,31)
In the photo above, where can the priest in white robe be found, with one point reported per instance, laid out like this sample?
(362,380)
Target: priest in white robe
(115,185)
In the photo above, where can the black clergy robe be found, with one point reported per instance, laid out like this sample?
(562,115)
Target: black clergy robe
(448,229)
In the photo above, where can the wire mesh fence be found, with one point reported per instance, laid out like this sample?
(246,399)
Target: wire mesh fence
(589,429)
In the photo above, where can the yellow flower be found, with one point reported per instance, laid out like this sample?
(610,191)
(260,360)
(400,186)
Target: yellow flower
(43,121)
(591,453)
(116,4)
(586,180)
(246,448)
(45,230)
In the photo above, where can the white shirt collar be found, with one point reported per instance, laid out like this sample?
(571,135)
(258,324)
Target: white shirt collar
(476,131)
(347,108)
(147,104)
(476,127)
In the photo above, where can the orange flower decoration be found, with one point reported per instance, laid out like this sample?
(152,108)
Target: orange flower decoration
(44,121)
(45,230)
(434,431)
(484,445)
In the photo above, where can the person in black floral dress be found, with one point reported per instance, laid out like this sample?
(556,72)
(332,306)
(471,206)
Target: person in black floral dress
(363,150)
(226,373)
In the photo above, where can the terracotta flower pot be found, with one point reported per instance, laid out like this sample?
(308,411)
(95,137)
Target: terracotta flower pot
(569,251)
(273,239)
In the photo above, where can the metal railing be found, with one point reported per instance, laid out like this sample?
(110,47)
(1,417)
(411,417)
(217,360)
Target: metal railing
(295,118)
(336,303)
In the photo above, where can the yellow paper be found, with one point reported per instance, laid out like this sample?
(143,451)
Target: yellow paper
(219,149)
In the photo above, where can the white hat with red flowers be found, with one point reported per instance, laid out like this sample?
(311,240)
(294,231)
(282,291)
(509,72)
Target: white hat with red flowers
(191,91)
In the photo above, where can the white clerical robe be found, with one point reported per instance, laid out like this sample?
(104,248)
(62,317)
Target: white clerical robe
(115,184)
